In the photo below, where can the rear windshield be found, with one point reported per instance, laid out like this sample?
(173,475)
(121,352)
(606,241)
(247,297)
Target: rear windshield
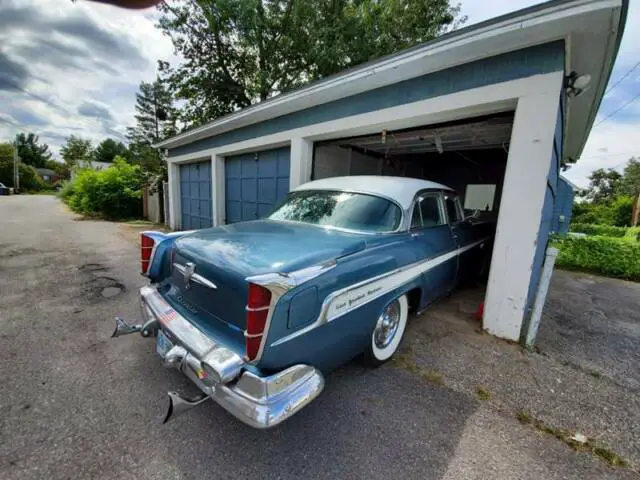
(352,211)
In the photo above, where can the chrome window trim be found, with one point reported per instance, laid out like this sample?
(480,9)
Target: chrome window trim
(456,202)
(419,196)
(350,230)
(279,284)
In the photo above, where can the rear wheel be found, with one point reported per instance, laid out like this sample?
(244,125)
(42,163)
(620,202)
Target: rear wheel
(388,332)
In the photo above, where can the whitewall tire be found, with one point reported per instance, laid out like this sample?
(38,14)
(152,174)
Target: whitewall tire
(388,331)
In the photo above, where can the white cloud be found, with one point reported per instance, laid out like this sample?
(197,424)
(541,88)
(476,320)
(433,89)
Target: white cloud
(70,68)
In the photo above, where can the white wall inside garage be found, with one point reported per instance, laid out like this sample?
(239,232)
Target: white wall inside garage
(535,101)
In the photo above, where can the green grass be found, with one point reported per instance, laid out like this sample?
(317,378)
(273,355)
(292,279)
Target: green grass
(483,393)
(604,453)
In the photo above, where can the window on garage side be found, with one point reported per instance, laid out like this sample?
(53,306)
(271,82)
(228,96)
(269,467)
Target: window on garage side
(427,213)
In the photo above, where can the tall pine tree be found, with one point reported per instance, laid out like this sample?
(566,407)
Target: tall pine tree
(155,119)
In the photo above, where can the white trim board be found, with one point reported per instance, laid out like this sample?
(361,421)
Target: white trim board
(495,98)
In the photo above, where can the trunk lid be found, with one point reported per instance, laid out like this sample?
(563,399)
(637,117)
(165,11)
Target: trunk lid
(225,256)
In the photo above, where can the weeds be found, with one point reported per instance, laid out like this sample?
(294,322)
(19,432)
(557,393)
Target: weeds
(605,454)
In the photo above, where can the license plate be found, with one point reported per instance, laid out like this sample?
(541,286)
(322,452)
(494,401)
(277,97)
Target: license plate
(163,344)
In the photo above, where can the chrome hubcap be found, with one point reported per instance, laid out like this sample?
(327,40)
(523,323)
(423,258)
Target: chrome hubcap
(387,325)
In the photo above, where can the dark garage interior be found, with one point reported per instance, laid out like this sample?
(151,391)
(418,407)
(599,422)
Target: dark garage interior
(469,156)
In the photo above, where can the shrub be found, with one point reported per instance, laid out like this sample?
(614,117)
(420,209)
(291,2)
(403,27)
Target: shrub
(611,257)
(67,188)
(591,229)
(114,192)
(29,178)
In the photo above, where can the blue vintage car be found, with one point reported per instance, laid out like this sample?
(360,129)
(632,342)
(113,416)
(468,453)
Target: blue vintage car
(255,313)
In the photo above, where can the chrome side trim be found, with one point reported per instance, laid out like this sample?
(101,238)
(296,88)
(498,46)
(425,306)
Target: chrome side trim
(196,277)
(279,284)
(258,309)
(403,275)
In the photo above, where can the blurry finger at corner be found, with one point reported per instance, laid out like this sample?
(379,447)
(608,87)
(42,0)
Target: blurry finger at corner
(132,4)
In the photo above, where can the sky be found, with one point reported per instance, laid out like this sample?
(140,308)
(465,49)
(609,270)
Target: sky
(74,68)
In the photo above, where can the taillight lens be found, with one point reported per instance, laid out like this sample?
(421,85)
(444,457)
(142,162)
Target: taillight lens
(146,248)
(258,303)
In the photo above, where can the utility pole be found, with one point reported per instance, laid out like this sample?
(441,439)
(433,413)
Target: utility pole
(16,166)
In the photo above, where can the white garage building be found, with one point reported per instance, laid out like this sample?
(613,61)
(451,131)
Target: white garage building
(493,110)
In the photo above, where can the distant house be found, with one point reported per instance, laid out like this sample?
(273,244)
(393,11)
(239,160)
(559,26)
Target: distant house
(89,164)
(48,175)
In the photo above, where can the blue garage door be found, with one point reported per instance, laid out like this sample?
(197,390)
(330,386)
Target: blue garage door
(195,196)
(254,182)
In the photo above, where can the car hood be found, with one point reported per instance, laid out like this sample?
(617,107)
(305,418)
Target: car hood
(265,246)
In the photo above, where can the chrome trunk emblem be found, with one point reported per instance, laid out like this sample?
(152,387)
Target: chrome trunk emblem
(187,273)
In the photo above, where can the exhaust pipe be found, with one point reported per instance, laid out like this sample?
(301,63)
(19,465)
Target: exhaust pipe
(179,404)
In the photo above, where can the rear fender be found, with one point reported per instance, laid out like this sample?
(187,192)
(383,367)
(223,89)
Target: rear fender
(163,242)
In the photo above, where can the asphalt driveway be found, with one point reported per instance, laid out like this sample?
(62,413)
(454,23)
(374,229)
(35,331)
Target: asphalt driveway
(76,404)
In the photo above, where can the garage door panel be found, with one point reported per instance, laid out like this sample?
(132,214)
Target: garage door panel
(267,190)
(249,189)
(249,166)
(249,211)
(255,182)
(234,212)
(264,209)
(233,190)
(195,196)
(282,188)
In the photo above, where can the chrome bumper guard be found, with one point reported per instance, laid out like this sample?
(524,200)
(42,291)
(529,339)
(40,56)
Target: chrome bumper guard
(220,373)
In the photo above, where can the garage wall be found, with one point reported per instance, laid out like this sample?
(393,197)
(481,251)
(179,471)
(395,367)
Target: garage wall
(510,66)
(335,161)
(547,209)
(563,207)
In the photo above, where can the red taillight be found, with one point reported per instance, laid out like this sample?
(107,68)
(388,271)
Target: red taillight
(146,248)
(258,303)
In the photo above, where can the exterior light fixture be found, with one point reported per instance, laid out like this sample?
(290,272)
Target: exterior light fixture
(576,84)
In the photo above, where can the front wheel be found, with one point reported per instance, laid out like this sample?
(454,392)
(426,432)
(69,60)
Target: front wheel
(388,332)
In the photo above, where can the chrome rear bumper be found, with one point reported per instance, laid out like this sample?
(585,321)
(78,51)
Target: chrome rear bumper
(220,373)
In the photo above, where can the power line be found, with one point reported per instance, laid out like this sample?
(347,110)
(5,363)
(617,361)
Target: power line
(37,97)
(622,78)
(605,155)
(633,99)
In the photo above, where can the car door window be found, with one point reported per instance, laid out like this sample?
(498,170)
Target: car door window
(427,213)
(453,211)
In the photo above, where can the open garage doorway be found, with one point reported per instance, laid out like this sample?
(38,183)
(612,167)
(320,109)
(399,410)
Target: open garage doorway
(469,156)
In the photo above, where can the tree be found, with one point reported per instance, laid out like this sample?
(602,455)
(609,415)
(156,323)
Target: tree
(239,52)
(630,184)
(108,149)
(76,150)
(604,185)
(155,119)
(29,179)
(30,150)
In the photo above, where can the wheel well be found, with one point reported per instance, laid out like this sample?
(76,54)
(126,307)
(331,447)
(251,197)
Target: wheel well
(413,297)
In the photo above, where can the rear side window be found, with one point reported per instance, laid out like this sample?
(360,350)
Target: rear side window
(453,212)
(426,213)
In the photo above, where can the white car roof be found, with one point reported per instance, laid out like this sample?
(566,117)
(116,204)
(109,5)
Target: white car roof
(400,189)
